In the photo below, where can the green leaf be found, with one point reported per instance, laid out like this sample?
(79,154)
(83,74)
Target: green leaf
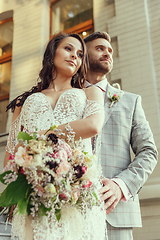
(29,206)
(3,175)
(24,136)
(34,135)
(85,153)
(66,186)
(22,206)
(58,214)
(95,195)
(53,127)
(54,198)
(42,210)
(72,200)
(15,191)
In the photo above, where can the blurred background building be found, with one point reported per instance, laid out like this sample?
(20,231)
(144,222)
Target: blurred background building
(134,27)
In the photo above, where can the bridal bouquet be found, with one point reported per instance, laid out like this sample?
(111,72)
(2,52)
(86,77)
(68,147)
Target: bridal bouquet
(46,174)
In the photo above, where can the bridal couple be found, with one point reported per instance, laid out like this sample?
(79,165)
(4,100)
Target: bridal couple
(72,91)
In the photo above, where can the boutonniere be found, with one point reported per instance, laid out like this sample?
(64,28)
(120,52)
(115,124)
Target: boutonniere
(113,99)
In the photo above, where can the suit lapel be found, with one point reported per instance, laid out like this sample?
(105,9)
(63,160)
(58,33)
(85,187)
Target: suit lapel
(107,102)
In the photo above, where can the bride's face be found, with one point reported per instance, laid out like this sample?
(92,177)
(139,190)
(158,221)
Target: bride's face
(68,56)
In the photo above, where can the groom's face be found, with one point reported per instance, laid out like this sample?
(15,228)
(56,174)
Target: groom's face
(100,53)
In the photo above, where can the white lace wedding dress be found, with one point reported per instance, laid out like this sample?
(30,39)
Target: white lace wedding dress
(37,112)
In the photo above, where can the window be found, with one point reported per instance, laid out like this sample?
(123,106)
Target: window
(114,43)
(72,16)
(6,38)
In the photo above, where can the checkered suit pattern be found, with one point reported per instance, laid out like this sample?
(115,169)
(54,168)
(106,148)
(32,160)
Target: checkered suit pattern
(125,125)
(119,233)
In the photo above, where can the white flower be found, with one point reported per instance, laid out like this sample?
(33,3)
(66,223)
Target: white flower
(37,160)
(90,159)
(93,173)
(22,158)
(35,146)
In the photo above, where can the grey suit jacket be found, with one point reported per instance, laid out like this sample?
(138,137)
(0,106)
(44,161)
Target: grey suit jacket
(125,126)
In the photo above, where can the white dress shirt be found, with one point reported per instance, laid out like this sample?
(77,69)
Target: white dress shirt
(126,193)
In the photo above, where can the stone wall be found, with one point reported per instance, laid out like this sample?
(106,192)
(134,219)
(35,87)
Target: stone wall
(135,25)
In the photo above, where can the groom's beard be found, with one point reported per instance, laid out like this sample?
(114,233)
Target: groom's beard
(101,67)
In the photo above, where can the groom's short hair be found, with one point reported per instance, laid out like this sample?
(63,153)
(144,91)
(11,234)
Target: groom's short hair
(96,35)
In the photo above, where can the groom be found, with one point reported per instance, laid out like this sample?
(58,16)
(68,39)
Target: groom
(125,126)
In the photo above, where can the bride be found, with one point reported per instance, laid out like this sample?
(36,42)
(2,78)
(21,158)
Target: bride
(59,98)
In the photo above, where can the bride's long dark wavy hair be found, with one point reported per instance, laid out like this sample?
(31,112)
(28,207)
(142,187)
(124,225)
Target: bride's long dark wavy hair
(48,69)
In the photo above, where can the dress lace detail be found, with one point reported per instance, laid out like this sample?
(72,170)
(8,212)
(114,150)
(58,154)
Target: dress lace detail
(37,112)
(73,225)
(69,107)
(92,107)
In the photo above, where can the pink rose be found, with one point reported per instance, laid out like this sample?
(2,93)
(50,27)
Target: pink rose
(61,155)
(63,168)
(84,169)
(68,149)
(65,195)
(86,184)
(11,157)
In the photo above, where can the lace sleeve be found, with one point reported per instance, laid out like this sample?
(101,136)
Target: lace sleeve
(34,113)
(13,133)
(93,107)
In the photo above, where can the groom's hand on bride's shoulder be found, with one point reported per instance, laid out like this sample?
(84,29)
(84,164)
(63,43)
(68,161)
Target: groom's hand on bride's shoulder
(111,194)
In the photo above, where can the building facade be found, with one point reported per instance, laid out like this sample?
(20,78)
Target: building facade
(134,27)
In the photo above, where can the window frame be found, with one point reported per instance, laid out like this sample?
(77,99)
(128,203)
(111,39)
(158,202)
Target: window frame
(6,57)
(75,29)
